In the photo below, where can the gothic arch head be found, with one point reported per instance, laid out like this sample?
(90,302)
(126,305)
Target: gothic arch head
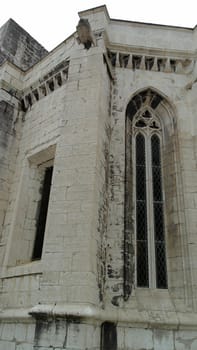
(152,100)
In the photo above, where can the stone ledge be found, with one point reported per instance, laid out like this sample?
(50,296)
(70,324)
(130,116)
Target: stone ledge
(31,268)
(15,315)
(88,312)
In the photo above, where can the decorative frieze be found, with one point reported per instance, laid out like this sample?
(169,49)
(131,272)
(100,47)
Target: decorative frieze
(46,85)
(150,63)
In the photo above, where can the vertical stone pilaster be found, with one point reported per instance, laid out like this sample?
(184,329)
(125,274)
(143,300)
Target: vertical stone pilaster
(78,182)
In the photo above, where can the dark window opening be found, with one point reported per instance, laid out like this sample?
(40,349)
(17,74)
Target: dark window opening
(108,336)
(149,169)
(160,256)
(42,214)
(145,227)
(141,214)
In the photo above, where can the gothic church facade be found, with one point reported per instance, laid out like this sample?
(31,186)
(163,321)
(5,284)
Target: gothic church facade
(98,188)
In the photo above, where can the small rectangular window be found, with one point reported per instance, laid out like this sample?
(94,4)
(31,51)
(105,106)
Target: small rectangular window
(31,207)
(42,210)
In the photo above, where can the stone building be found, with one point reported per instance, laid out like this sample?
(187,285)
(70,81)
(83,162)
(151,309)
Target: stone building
(98,188)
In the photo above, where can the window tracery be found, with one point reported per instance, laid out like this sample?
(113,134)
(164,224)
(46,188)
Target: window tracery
(149,203)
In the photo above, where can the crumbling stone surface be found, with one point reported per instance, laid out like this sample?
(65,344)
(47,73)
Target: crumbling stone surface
(6,120)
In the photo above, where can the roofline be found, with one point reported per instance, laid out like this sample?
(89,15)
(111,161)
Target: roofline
(153,24)
(11,20)
(104,8)
(95,9)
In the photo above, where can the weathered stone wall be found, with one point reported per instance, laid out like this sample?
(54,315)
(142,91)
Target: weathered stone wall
(69,125)
(52,334)
(69,111)
(17,335)
(59,334)
(126,85)
(10,136)
(6,134)
(157,339)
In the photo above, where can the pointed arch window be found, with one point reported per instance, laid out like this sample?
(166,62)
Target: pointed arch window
(149,201)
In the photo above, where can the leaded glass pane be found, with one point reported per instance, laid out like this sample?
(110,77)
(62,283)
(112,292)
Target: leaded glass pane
(140,182)
(155,148)
(142,264)
(141,213)
(157,186)
(158,221)
(140,150)
(160,256)
(161,272)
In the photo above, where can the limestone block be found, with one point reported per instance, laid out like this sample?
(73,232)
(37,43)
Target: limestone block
(24,346)
(8,331)
(137,339)
(163,340)
(30,331)
(186,339)
(20,332)
(7,345)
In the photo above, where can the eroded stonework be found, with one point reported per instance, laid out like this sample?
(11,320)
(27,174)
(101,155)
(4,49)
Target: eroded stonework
(72,248)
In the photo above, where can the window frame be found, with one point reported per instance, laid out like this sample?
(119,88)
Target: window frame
(45,189)
(147,133)
(21,239)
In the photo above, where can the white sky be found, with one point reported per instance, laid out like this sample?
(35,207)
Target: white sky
(50,22)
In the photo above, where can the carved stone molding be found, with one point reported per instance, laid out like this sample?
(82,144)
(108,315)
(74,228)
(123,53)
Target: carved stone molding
(46,85)
(150,63)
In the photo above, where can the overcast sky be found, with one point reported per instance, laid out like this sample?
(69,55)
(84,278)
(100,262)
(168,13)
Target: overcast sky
(52,21)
